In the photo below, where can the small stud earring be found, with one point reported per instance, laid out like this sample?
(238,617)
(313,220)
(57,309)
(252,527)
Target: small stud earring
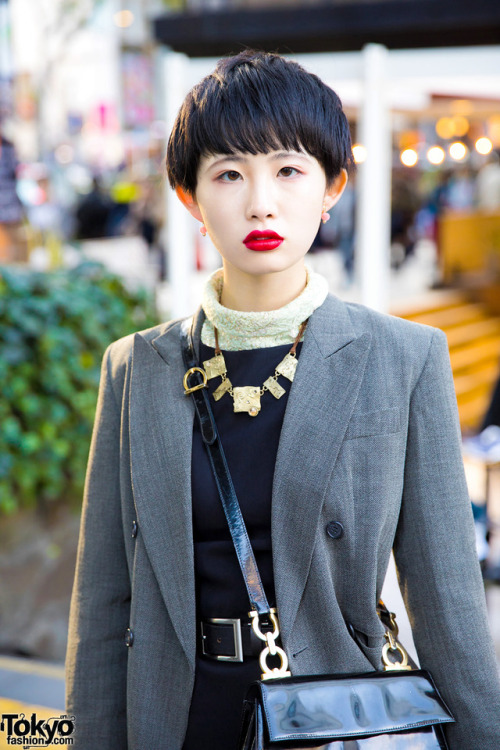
(325,216)
(203,230)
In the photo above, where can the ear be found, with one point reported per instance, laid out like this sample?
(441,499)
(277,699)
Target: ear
(335,190)
(189,201)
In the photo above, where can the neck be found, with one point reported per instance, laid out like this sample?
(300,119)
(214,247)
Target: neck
(250,293)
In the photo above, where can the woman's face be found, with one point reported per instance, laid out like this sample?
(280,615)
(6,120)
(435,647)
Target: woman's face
(280,192)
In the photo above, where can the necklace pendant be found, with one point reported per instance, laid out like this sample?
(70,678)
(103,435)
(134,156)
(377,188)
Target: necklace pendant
(215,366)
(223,388)
(274,387)
(247,398)
(287,367)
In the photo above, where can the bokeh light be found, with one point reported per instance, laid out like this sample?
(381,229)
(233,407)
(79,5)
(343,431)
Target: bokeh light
(410,139)
(359,153)
(435,155)
(460,125)
(458,151)
(483,145)
(124,18)
(409,157)
(444,127)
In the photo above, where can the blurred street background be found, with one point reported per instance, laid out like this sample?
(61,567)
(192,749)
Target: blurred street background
(93,244)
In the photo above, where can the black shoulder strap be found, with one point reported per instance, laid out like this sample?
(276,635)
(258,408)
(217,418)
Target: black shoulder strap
(211,438)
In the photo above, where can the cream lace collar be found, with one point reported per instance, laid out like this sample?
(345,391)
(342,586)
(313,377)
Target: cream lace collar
(257,330)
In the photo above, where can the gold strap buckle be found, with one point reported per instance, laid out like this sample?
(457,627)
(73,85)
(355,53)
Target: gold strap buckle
(198,386)
(394,647)
(271,648)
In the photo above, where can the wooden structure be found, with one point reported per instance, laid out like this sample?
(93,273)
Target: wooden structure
(469,244)
(474,341)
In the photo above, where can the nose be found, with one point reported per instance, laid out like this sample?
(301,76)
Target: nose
(261,200)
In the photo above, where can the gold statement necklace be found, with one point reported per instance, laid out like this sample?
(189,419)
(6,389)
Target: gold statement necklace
(247,398)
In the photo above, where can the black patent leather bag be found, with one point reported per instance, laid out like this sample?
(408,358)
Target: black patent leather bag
(371,711)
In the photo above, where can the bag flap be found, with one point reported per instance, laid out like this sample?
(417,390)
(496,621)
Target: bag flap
(344,706)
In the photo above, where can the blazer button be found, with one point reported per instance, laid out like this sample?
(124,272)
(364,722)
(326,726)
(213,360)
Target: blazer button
(129,638)
(135,529)
(335,530)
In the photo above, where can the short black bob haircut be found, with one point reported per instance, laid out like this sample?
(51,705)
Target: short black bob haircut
(257,102)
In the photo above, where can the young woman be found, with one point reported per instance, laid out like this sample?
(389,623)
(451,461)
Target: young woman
(358,455)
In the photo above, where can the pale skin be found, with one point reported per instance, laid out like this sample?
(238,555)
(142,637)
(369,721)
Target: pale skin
(281,191)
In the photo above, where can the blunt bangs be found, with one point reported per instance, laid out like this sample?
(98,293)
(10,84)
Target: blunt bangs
(255,103)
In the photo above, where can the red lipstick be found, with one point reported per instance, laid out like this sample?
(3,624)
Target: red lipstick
(262,240)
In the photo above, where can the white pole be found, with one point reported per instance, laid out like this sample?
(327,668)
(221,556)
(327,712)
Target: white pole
(178,234)
(374,191)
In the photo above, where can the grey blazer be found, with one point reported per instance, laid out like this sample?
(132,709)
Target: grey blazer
(371,439)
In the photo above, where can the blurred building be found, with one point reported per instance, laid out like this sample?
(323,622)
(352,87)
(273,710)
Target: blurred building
(85,81)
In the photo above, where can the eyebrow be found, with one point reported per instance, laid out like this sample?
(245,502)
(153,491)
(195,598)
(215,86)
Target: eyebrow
(274,157)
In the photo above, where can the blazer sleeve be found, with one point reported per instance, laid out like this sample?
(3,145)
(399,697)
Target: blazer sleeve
(437,564)
(96,661)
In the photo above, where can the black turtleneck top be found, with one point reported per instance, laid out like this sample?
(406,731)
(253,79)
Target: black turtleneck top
(250,445)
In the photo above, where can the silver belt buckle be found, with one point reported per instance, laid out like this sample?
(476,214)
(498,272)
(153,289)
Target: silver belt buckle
(238,644)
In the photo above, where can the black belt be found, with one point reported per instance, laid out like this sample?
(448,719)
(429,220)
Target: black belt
(227,639)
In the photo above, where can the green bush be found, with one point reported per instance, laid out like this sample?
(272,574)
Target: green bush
(54,328)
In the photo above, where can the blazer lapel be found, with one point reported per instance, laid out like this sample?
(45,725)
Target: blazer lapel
(161,428)
(323,394)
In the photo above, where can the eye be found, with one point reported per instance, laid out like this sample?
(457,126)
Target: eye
(288,171)
(230,176)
